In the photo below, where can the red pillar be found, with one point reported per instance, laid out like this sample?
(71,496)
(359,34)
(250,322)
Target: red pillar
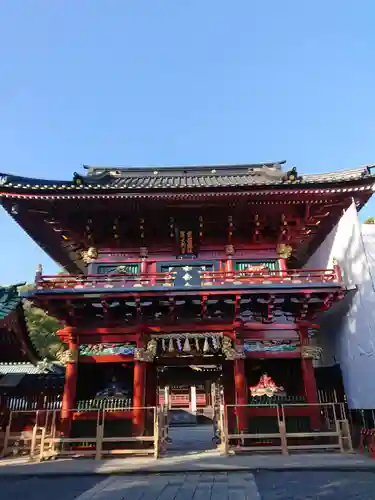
(144,267)
(308,375)
(282,264)
(229,399)
(229,250)
(229,266)
(311,391)
(70,387)
(139,397)
(309,382)
(241,393)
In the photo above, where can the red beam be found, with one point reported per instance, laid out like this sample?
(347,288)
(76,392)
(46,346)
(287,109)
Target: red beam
(115,330)
(289,411)
(273,326)
(109,358)
(193,327)
(273,355)
(109,415)
(99,339)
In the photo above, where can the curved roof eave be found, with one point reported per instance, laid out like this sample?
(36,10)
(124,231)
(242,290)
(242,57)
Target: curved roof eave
(191,179)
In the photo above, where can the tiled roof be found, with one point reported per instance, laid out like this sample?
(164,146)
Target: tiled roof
(31,369)
(15,344)
(18,368)
(183,178)
(9,300)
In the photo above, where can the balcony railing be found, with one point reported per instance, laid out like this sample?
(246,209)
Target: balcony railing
(268,277)
(251,278)
(106,281)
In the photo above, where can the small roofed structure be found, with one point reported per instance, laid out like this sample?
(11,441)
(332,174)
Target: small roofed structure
(15,343)
(25,379)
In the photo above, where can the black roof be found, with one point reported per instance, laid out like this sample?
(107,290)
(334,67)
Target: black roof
(181,178)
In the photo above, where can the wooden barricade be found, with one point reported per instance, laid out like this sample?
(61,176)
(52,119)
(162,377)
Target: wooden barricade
(101,445)
(327,437)
(242,441)
(21,439)
(163,428)
(333,427)
(50,437)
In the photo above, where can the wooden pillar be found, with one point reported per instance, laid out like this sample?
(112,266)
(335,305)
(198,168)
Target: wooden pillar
(309,382)
(139,397)
(337,270)
(229,250)
(70,387)
(229,393)
(167,401)
(308,375)
(282,265)
(139,393)
(241,393)
(193,399)
(207,393)
(144,267)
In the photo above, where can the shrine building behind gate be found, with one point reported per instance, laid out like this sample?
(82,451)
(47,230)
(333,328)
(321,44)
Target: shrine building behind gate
(187,276)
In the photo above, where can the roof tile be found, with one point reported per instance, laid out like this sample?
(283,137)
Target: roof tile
(171,178)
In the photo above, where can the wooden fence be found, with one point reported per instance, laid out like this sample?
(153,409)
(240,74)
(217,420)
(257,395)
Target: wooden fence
(46,439)
(332,432)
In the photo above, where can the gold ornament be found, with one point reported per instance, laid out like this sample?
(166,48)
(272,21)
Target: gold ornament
(311,351)
(284,251)
(89,255)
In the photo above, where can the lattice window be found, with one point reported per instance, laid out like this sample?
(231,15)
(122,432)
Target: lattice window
(272,265)
(129,268)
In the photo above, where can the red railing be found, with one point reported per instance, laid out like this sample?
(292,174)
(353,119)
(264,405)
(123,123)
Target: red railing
(268,277)
(207,278)
(105,281)
(182,400)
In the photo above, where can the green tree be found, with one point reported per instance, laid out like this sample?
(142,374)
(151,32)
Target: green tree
(370,220)
(42,328)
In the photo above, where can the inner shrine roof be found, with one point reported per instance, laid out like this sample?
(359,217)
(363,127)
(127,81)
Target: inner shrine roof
(214,177)
(15,344)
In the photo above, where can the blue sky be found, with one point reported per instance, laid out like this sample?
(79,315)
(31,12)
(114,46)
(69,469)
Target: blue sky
(126,82)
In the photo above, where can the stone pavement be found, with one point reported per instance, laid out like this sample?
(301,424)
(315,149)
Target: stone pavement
(195,486)
(208,461)
(198,438)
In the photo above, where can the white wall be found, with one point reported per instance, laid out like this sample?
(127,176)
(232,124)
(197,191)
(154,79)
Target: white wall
(348,336)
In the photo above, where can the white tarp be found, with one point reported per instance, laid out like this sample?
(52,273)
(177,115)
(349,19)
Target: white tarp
(350,339)
(368,235)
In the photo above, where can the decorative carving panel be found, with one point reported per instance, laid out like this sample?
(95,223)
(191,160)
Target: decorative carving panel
(107,349)
(271,346)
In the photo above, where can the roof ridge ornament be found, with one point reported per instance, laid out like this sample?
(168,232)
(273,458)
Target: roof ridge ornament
(292,176)
(78,180)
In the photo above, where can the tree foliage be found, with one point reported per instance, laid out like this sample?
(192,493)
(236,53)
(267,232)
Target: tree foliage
(43,328)
(370,220)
